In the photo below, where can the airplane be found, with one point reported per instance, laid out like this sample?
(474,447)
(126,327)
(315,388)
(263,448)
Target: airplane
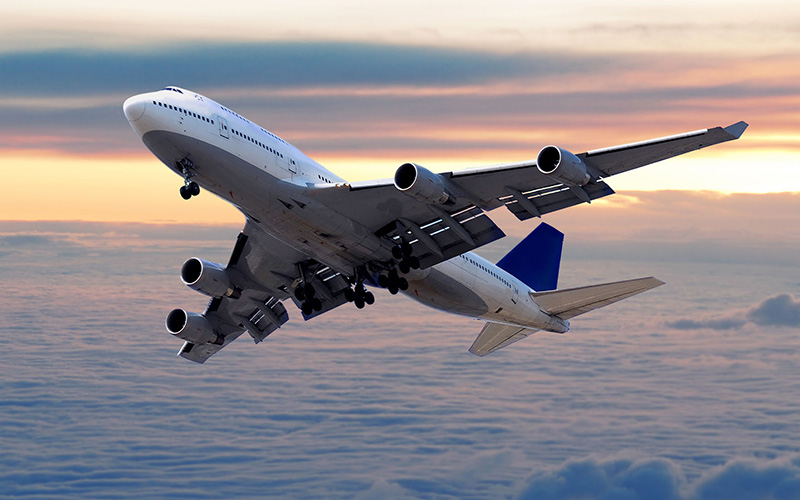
(317,240)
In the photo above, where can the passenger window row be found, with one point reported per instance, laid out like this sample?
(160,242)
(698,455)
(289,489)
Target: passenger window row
(257,143)
(184,111)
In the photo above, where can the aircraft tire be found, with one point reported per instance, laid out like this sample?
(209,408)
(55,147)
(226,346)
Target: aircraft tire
(402,284)
(369,299)
(316,304)
(194,189)
(404,266)
(185,193)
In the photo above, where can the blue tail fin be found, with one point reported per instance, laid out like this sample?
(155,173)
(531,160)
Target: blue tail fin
(536,259)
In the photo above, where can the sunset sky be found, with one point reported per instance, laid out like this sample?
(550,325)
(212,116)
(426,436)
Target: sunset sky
(363,89)
(687,392)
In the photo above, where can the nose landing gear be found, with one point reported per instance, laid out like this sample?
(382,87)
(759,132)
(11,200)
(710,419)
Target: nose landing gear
(189,188)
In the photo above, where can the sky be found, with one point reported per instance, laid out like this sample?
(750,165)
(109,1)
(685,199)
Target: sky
(686,392)
(362,90)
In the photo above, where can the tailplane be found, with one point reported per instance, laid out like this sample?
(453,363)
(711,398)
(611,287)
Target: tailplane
(536,260)
(573,302)
(564,304)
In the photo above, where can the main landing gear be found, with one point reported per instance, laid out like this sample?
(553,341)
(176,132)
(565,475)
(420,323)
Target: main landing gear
(407,262)
(308,302)
(359,295)
(393,282)
(189,188)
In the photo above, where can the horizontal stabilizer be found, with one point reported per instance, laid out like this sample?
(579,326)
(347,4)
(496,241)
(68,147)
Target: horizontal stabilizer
(569,303)
(495,336)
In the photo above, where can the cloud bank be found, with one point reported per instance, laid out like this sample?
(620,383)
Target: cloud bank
(781,310)
(662,479)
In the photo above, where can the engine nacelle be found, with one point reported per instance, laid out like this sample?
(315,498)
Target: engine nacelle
(422,184)
(208,278)
(562,166)
(192,327)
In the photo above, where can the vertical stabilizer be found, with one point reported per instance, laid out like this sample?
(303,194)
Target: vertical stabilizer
(536,259)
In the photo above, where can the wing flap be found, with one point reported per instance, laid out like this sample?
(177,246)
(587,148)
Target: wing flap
(495,336)
(443,241)
(572,302)
(553,198)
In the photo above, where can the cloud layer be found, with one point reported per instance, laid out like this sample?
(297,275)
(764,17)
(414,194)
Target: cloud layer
(662,479)
(781,310)
(380,403)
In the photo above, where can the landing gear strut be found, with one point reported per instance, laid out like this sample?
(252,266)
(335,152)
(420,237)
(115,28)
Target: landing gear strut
(189,188)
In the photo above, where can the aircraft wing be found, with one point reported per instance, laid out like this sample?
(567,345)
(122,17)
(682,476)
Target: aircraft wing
(462,226)
(266,268)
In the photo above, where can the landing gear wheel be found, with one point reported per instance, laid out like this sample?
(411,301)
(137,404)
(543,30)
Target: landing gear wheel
(185,193)
(310,292)
(194,189)
(369,298)
(393,288)
(402,284)
(397,252)
(307,308)
(359,302)
(300,293)
(414,262)
(316,304)
(404,266)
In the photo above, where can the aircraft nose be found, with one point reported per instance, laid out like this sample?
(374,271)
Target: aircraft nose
(134,108)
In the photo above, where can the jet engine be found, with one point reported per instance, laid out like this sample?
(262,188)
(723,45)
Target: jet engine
(562,166)
(192,327)
(422,184)
(208,278)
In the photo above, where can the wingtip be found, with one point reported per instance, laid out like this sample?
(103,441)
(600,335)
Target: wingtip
(737,129)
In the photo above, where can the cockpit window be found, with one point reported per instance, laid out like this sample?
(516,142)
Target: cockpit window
(173,89)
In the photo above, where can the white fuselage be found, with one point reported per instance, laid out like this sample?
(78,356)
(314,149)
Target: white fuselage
(260,173)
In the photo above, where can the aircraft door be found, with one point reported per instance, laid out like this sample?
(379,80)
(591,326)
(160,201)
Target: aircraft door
(223,127)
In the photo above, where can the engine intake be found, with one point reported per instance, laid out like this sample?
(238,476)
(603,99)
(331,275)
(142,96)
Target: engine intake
(422,184)
(192,327)
(208,278)
(562,166)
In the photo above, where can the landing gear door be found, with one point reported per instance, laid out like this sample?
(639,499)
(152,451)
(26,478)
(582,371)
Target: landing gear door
(223,127)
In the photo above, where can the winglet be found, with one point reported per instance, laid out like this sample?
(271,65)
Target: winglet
(536,259)
(737,129)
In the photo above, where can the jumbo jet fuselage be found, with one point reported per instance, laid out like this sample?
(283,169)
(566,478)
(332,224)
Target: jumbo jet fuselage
(267,178)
